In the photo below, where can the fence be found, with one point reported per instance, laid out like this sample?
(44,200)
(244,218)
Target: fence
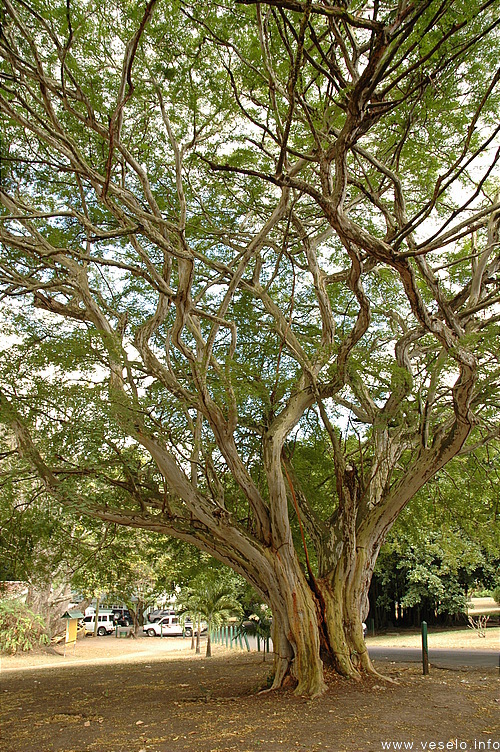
(233,637)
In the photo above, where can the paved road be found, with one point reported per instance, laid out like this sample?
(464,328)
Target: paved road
(444,658)
(437,657)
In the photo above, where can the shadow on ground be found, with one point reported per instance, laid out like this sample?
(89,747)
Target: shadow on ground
(213,705)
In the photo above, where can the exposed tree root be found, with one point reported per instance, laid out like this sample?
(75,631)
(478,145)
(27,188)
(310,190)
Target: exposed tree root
(369,671)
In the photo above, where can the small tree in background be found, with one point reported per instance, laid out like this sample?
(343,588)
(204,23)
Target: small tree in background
(145,570)
(215,604)
(259,625)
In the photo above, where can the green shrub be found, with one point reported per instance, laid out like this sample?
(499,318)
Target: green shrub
(20,629)
(496,594)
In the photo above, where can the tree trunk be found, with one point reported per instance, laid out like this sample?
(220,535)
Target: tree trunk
(345,604)
(198,648)
(209,640)
(319,623)
(138,616)
(96,617)
(296,634)
(341,612)
(296,637)
(50,601)
(320,620)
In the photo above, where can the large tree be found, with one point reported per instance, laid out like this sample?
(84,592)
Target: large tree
(226,224)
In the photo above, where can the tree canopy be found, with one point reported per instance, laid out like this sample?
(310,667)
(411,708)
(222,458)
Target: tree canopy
(230,225)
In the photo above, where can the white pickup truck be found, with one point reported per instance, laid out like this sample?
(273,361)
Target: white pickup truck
(171,626)
(168,625)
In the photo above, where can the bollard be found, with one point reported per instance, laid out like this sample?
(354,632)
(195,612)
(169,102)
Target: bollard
(425,649)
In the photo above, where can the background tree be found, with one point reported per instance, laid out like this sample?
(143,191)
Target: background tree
(58,553)
(259,625)
(211,601)
(443,547)
(135,570)
(224,224)
(49,549)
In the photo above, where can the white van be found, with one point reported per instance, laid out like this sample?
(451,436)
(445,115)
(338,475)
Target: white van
(105,623)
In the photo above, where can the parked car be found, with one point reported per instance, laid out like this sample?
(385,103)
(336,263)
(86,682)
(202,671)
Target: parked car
(122,617)
(159,614)
(105,624)
(172,625)
(168,625)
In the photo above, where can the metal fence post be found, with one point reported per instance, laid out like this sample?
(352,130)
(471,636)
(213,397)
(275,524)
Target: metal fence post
(425,649)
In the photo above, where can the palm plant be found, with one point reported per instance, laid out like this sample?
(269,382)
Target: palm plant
(214,603)
(259,625)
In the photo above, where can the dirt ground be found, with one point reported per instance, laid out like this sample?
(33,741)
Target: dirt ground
(153,695)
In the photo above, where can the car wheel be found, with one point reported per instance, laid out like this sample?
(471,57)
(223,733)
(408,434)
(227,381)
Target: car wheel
(151,633)
(101,631)
(188,631)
